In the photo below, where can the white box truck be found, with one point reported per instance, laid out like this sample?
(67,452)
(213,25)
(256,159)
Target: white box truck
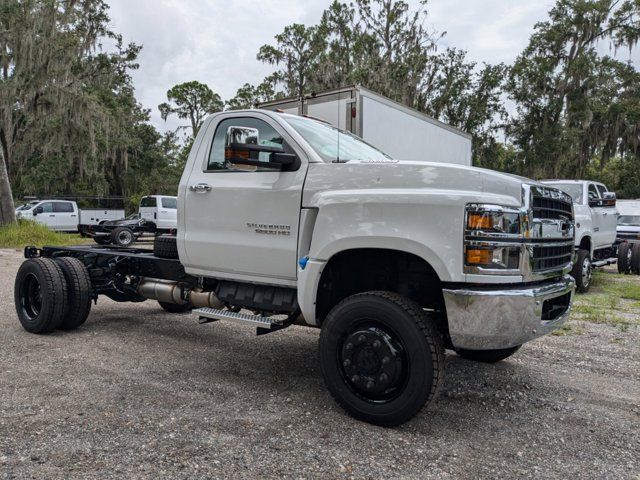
(400,131)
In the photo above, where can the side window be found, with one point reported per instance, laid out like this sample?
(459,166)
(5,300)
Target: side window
(601,189)
(267,135)
(593,193)
(171,203)
(47,207)
(148,202)
(63,207)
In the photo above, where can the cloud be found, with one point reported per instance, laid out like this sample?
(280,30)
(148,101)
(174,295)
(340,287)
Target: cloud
(216,41)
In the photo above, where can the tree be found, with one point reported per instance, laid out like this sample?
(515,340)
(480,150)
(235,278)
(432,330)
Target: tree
(560,86)
(248,96)
(192,101)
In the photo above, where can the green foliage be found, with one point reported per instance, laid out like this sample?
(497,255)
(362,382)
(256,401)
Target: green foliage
(26,232)
(192,101)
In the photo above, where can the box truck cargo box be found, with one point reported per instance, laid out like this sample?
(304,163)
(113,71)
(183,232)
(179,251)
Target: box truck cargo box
(400,131)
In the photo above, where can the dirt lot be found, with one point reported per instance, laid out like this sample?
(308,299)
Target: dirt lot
(139,393)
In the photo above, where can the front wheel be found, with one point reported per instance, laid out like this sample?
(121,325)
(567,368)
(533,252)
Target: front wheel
(624,257)
(582,271)
(635,259)
(381,356)
(488,356)
(123,237)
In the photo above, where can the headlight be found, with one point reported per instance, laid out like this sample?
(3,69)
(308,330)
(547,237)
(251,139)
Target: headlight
(493,257)
(489,218)
(493,239)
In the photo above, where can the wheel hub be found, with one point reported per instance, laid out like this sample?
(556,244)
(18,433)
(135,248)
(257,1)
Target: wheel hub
(586,272)
(373,363)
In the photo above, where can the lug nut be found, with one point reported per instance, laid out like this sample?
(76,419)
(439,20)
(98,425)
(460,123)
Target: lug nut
(348,346)
(377,344)
(383,377)
(385,360)
(370,385)
(346,363)
(355,378)
(361,338)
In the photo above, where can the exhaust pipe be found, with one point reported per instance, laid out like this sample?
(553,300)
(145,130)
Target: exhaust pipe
(167,291)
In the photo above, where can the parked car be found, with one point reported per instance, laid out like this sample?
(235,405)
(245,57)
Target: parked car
(596,221)
(297,222)
(628,236)
(59,215)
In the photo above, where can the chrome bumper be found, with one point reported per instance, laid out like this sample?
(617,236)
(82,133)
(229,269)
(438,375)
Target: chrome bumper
(486,319)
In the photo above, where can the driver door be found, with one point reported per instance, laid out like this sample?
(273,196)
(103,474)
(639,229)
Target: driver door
(242,221)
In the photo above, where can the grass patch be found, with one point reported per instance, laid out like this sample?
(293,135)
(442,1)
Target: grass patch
(614,299)
(27,232)
(568,329)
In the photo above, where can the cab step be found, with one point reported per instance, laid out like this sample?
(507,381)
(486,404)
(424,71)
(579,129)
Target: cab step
(263,324)
(604,262)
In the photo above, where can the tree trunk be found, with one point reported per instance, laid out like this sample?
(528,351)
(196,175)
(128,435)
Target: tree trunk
(7,208)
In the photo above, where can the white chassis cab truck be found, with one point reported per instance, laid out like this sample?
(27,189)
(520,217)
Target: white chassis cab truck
(596,221)
(286,220)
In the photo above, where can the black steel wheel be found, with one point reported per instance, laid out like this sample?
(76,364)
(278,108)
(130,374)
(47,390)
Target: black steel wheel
(123,237)
(381,357)
(40,295)
(624,257)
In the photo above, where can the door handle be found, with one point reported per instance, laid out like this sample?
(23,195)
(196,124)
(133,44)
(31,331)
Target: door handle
(605,214)
(200,188)
(52,215)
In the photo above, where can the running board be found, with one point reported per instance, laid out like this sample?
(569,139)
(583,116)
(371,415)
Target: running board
(263,324)
(604,263)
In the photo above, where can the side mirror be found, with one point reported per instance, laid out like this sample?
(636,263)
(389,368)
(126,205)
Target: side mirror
(609,199)
(37,211)
(242,147)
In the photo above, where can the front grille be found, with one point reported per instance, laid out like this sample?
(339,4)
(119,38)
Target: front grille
(551,256)
(551,208)
(629,236)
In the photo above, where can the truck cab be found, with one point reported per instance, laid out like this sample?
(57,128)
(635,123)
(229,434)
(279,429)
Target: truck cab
(159,211)
(596,220)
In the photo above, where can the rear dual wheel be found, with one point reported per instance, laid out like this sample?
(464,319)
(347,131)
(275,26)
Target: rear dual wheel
(51,294)
(635,259)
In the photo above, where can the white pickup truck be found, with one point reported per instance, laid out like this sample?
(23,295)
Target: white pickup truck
(285,220)
(596,220)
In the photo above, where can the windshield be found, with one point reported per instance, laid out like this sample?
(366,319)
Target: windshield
(573,189)
(333,144)
(27,206)
(629,220)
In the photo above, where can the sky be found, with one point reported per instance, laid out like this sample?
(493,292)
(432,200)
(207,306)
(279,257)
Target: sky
(216,41)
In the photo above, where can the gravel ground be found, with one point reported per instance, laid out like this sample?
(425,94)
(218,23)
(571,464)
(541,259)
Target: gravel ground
(139,393)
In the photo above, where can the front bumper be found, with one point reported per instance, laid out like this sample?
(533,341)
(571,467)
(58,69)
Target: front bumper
(483,318)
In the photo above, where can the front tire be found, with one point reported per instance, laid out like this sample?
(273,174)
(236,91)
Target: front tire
(624,257)
(40,295)
(123,237)
(582,271)
(635,259)
(381,357)
(488,356)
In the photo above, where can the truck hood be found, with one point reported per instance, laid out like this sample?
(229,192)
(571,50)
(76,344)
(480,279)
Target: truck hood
(410,177)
